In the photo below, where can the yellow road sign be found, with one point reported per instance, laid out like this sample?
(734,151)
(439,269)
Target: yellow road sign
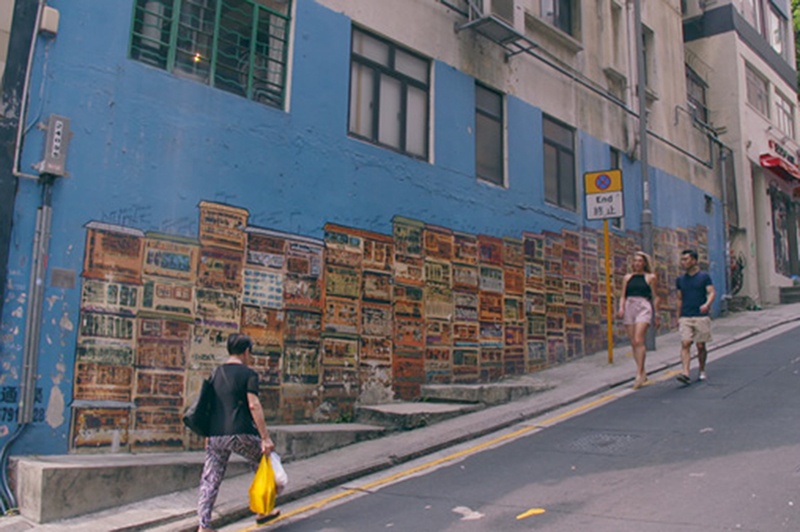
(602,182)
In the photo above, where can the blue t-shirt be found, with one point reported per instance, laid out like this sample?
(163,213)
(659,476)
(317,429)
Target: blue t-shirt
(693,293)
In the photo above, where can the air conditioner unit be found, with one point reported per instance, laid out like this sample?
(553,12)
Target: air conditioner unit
(503,9)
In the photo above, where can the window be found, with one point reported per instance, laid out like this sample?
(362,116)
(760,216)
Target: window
(616,164)
(769,22)
(777,27)
(752,10)
(559,164)
(389,88)
(757,91)
(784,114)
(696,95)
(558,13)
(648,49)
(239,46)
(489,135)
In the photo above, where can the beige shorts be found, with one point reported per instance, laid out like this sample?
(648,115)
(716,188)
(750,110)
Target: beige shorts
(637,310)
(696,329)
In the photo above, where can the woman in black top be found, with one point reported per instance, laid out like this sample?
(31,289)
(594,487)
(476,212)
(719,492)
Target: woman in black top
(637,305)
(237,425)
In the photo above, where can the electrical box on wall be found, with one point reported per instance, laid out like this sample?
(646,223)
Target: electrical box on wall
(49,20)
(55,146)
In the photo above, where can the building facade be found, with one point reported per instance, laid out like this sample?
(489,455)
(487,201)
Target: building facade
(383,194)
(743,54)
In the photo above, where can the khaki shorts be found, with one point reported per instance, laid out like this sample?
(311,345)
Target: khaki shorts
(696,329)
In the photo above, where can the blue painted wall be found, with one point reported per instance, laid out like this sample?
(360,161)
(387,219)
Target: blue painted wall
(148,147)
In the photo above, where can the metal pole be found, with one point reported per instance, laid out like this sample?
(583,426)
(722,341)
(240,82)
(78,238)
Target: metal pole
(609,307)
(647,214)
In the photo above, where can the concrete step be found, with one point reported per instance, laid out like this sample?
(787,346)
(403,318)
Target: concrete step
(790,294)
(45,485)
(295,442)
(486,394)
(411,415)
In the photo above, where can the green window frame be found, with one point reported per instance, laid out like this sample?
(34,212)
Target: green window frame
(239,46)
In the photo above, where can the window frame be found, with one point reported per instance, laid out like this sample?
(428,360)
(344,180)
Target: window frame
(498,120)
(698,107)
(757,92)
(256,59)
(563,16)
(561,150)
(784,114)
(406,81)
(776,31)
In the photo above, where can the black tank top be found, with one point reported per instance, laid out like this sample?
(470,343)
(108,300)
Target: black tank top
(638,287)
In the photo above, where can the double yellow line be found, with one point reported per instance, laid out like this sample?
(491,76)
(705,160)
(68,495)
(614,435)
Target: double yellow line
(435,463)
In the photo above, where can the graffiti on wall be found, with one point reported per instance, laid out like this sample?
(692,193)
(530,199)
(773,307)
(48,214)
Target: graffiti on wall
(355,317)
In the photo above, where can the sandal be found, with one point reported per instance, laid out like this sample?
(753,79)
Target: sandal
(262,519)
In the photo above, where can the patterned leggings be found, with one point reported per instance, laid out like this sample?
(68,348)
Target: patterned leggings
(218,451)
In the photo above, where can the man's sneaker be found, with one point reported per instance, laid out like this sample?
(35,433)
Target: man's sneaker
(702,376)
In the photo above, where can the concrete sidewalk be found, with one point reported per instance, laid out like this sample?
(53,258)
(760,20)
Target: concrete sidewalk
(560,386)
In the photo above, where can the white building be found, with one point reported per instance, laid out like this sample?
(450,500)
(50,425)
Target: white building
(743,53)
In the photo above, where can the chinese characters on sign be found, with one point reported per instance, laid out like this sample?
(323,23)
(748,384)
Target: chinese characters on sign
(603,194)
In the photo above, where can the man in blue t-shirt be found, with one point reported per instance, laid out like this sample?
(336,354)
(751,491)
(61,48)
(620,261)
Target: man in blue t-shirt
(695,295)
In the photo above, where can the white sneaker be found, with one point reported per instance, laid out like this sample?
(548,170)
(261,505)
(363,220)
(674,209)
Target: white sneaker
(702,376)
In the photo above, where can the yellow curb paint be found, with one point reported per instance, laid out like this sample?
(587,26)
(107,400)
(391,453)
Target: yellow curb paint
(428,465)
(532,511)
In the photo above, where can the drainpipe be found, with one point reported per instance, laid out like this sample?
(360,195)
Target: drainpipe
(646,223)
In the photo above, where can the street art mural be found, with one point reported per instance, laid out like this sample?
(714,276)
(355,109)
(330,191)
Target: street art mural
(354,318)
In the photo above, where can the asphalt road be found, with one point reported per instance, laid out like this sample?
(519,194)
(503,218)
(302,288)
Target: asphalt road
(717,455)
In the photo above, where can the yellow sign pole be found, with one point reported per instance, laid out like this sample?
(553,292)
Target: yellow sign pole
(609,305)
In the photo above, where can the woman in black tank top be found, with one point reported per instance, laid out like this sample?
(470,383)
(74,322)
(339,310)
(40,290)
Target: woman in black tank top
(637,305)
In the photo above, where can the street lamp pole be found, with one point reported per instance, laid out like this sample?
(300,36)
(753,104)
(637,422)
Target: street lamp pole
(647,215)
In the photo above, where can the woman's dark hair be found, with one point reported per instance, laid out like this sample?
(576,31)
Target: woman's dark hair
(239,343)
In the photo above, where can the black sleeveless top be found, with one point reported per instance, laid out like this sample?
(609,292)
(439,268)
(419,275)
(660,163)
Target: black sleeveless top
(638,287)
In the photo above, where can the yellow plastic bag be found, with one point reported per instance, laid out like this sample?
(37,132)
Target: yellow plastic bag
(262,490)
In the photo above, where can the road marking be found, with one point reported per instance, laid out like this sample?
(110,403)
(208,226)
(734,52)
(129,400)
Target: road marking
(532,511)
(439,461)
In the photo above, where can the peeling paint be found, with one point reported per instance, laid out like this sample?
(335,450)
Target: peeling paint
(66,324)
(48,339)
(22,298)
(3,431)
(17,313)
(54,416)
(52,301)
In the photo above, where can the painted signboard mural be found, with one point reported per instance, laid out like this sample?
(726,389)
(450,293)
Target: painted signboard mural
(357,317)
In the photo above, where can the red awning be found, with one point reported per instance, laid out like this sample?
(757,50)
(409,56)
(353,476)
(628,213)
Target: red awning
(779,166)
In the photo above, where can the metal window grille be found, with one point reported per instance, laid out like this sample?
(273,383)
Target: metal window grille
(696,95)
(239,46)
